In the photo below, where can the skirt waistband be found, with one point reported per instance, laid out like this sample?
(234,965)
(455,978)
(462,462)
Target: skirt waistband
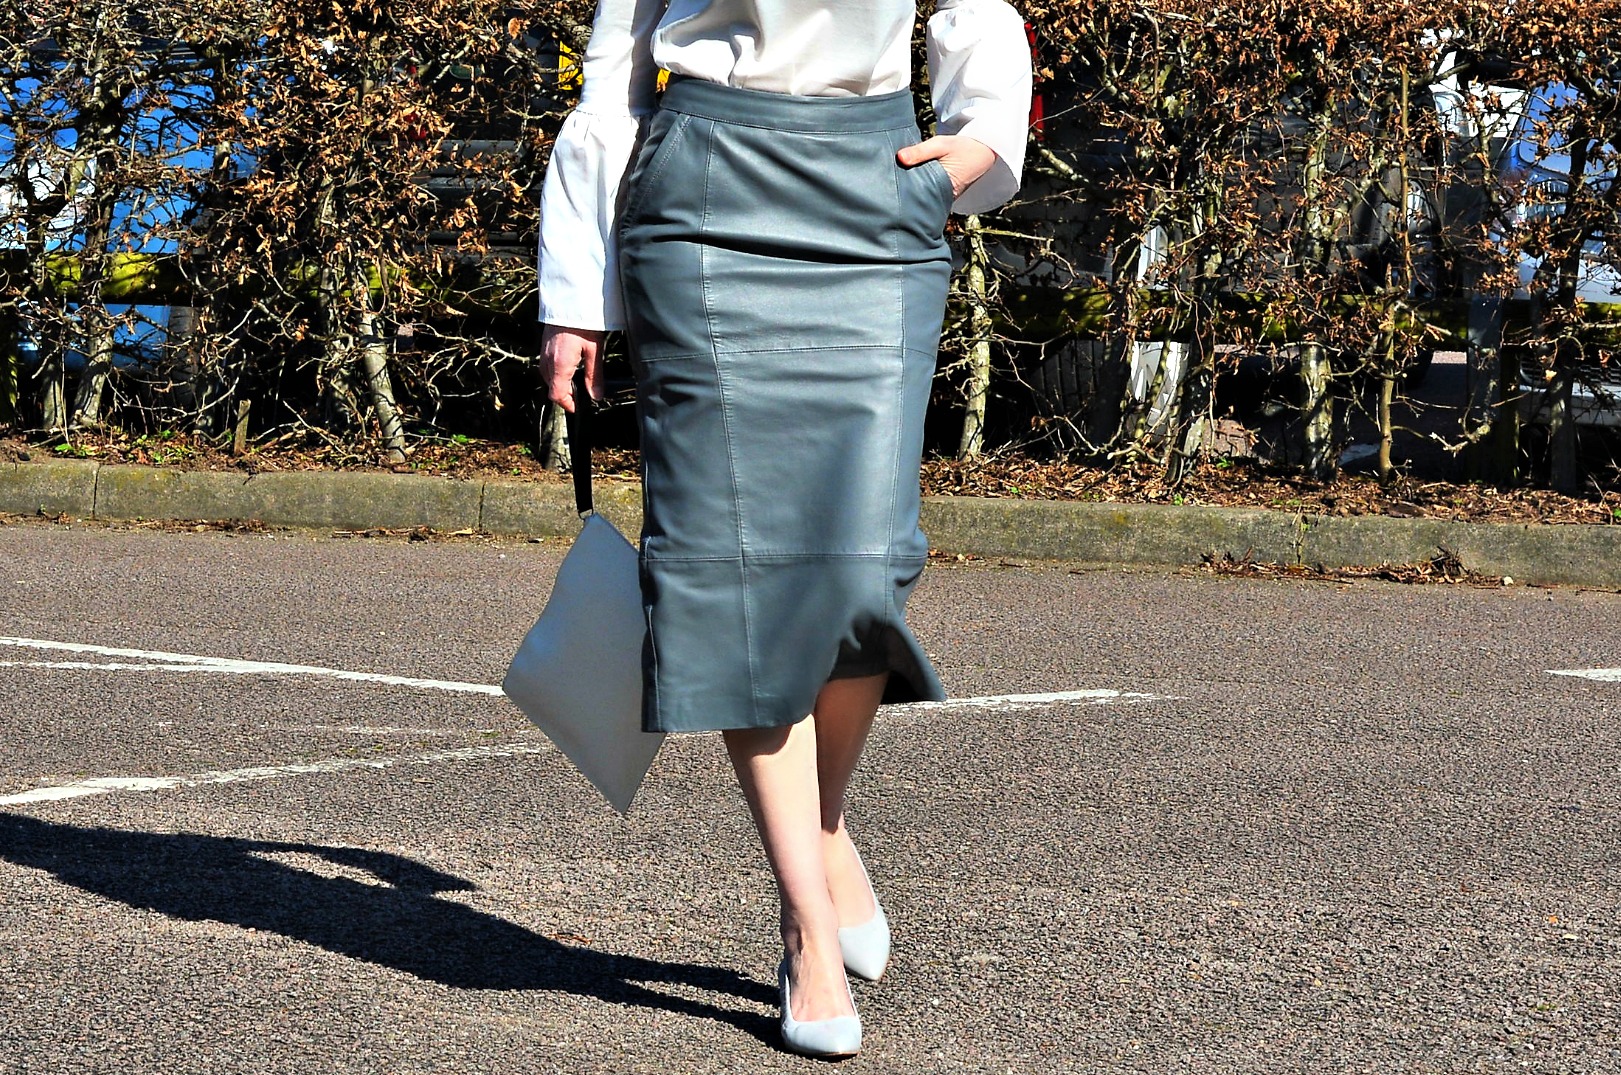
(789,112)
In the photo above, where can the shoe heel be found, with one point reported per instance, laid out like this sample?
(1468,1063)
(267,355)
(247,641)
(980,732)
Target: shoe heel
(826,1039)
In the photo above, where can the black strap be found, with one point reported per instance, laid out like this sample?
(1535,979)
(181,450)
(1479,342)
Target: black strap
(578,422)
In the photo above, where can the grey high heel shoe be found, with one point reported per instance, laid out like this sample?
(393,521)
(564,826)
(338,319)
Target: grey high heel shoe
(866,947)
(827,1039)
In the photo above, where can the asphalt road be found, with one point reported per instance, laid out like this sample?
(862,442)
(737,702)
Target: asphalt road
(1319,828)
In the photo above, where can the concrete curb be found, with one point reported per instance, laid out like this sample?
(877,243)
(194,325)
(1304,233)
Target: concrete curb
(1031,529)
(52,487)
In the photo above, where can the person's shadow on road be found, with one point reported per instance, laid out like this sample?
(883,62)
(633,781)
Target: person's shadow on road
(398,923)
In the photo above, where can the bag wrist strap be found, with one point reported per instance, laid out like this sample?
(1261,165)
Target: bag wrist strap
(578,423)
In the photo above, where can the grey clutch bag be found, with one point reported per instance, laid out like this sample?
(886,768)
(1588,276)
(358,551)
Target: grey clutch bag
(578,673)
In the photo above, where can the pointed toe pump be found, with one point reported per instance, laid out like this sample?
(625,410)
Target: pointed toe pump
(827,1039)
(866,946)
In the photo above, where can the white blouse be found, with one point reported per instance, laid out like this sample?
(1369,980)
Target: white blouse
(979,76)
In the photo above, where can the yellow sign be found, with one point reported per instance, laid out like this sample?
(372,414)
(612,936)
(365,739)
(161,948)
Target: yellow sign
(570,75)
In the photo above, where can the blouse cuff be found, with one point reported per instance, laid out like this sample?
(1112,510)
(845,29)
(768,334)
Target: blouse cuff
(1001,181)
(579,203)
(979,73)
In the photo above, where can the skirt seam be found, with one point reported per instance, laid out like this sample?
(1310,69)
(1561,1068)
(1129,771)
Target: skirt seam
(732,121)
(885,600)
(776,556)
(726,416)
(688,355)
(768,127)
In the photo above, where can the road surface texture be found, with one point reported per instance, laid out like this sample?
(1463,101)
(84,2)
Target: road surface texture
(1278,826)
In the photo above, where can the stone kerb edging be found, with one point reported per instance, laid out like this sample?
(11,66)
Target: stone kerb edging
(1584,555)
(1147,534)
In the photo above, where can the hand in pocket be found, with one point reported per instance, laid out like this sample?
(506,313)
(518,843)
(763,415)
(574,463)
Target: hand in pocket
(965,159)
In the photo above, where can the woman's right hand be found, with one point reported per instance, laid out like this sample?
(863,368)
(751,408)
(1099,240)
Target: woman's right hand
(562,352)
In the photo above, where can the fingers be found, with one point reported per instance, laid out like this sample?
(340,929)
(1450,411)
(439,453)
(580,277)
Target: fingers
(593,373)
(562,351)
(965,159)
(927,150)
(561,354)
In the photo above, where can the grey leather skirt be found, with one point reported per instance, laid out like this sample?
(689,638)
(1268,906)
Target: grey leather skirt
(784,280)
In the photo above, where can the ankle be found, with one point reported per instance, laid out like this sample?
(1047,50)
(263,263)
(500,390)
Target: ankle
(818,982)
(847,883)
(807,935)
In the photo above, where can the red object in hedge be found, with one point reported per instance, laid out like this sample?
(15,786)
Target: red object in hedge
(1038,104)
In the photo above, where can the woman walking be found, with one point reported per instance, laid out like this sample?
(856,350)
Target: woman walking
(769,233)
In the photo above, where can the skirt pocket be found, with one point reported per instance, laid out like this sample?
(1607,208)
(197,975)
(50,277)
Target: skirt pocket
(926,198)
(942,186)
(664,136)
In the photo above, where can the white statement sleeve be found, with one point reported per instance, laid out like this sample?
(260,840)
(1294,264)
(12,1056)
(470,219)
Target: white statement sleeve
(579,202)
(979,78)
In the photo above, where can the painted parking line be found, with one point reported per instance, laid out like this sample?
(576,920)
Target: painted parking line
(137,660)
(158,660)
(1603,675)
(105,785)
(1033,701)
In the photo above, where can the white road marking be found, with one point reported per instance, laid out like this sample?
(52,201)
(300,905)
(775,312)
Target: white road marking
(139,660)
(103,785)
(111,666)
(1603,675)
(191,662)
(1027,701)
(108,651)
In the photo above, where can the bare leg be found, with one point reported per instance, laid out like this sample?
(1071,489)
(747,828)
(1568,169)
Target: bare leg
(776,768)
(844,713)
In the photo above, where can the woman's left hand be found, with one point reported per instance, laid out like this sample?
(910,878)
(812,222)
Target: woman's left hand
(965,159)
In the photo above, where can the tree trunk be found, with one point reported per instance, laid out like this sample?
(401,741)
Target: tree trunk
(1155,376)
(239,435)
(374,360)
(1324,217)
(374,365)
(978,388)
(337,340)
(1563,474)
(554,447)
(1193,420)
(53,404)
(185,349)
(1387,430)
(97,332)
(1192,414)
(10,345)
(1403,287)
(95,324)
(1562,471)
(1492,416)
(42,320)
(193,337)
(1315,373)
